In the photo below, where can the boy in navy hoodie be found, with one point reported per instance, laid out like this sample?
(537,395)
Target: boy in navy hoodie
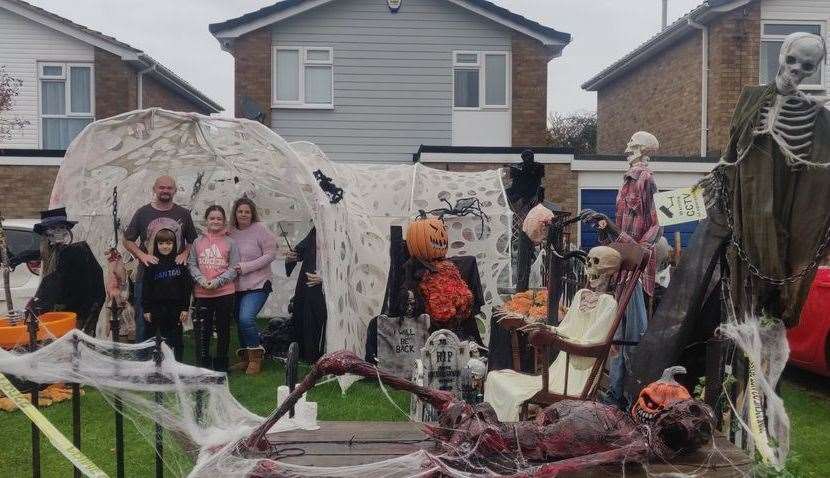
(166,292)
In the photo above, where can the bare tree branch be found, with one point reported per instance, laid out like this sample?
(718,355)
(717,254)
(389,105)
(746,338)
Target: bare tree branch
(9,89)
(577,131)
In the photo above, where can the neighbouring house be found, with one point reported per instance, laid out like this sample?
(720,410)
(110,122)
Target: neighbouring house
(683,84)
(71,76)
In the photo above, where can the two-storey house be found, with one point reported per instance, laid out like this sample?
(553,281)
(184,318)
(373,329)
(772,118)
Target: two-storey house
(71,76)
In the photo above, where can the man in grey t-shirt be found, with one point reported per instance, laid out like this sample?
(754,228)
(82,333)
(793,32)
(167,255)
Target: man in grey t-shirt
(161,213)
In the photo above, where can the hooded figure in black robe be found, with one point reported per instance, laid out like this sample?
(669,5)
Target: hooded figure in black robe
(308,307)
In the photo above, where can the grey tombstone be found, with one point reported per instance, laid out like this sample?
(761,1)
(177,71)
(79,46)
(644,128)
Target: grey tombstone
(443,357)
(400,340)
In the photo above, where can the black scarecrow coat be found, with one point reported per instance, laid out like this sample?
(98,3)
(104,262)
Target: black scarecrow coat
(75,285)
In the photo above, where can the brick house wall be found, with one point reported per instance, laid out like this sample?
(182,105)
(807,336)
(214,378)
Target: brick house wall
(530,90)
(734,48)
(663,94)
(252,71)
(116,89)
(27,188)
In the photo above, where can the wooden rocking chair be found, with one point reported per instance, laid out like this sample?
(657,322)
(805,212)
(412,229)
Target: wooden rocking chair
(635,260)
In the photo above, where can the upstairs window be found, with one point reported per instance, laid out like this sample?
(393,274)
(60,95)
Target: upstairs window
(67,102)
(302,77)
(772,37)
(480,80)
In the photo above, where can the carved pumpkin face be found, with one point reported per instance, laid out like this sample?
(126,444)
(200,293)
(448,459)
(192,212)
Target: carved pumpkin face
(655,397)
(426,239)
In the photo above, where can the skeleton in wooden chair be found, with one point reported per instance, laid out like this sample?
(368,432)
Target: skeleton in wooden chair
(587,322)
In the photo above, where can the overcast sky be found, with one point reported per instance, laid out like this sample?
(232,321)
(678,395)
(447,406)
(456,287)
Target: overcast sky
(175,33)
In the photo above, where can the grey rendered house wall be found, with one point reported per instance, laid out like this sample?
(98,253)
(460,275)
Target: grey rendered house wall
(392,75)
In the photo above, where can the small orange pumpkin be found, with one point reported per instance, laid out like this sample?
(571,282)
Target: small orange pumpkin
(427,239)
(658,395)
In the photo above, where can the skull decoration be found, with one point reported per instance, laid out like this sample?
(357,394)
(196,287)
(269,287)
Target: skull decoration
(59,234)
(655,397)
(603,262)
(801,55)
(640,146)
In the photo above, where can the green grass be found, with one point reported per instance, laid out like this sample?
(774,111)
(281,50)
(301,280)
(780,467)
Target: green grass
(364,401)
(806,397)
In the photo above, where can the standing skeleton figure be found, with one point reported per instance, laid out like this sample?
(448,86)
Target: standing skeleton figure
(767,217)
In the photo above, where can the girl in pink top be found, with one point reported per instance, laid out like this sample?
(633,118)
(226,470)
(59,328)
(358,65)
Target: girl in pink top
(257,250)
(212,263)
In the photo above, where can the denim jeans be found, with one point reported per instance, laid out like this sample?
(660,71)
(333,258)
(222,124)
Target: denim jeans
(140,325)
(636,322)
(248,305)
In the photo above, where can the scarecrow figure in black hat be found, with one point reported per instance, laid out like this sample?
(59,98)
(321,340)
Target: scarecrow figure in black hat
(72,279)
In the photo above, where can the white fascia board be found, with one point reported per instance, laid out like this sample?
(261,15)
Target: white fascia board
(268,20)
(125,53)
(656,166)
(29,161)
(499,158)
(548,41)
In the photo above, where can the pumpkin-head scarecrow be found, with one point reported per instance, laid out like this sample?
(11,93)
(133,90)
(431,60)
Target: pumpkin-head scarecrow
(426,239)
(655,397)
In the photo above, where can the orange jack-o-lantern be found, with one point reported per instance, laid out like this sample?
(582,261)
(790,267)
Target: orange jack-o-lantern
(426,239)
(657,396)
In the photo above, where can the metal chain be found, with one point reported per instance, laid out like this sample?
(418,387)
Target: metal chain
(754,269)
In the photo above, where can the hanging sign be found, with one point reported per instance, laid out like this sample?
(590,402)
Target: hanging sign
(394,5)
(680,206)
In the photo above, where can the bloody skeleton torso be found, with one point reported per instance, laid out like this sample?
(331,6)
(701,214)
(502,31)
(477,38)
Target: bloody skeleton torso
(776,204)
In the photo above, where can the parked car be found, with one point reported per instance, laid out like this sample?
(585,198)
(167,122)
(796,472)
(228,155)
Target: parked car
(810,339)
(24,254)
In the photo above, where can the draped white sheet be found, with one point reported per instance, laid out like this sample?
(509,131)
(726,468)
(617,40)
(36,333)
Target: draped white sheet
(216,160)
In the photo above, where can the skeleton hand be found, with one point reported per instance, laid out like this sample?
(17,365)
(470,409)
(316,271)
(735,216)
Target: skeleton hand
(183,316)
(601,220)
(536,326)
(147,317)
(313,279)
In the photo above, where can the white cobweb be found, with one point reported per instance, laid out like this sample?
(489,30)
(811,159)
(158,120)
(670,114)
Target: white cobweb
(216,160)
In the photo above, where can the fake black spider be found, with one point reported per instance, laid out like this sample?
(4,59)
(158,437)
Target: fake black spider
(463,207)
(334,193)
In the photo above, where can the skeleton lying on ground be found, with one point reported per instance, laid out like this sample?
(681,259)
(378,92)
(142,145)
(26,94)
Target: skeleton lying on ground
(568,435)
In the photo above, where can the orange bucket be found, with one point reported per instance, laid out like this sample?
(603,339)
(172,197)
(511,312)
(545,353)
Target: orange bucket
(52,325)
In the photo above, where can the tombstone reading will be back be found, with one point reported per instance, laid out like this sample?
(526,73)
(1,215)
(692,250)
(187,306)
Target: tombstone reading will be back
(442,359)
(400,340)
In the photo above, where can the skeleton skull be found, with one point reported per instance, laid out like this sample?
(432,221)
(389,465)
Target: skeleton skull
(640,146)
(801,55)
(603,262)
(58,235)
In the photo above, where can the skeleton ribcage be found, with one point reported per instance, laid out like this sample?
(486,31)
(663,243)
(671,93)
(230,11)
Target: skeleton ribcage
(789,120)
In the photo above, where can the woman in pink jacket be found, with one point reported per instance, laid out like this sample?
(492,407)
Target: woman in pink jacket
(257,250)
(212,264)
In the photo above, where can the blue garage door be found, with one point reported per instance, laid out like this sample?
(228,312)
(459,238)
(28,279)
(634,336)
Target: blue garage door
(604,201)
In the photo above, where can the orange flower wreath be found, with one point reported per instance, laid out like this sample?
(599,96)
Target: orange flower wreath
(445,293)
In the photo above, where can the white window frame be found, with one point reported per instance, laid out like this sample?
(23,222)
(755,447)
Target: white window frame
(480,65)
(304,61)
(764,37)
(66,79)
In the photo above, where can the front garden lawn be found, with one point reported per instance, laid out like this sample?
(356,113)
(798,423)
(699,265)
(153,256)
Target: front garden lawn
(806,398)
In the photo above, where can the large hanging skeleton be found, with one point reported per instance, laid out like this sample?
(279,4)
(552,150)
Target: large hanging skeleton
(768,225)
(789,117)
